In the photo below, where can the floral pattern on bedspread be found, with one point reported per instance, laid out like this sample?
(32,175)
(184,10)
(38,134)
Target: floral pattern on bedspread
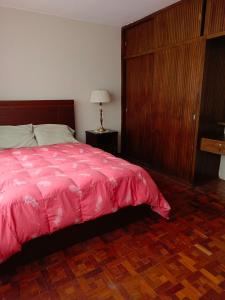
(44,189)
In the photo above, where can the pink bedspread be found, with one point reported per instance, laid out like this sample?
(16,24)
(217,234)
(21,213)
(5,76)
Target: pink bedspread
(44,189)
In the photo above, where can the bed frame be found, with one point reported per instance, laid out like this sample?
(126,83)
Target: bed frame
(58,112)
(37,112)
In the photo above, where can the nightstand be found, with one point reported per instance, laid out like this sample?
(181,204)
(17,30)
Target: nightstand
(107,141)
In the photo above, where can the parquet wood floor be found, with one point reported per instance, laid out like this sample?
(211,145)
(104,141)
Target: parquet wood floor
(149,258)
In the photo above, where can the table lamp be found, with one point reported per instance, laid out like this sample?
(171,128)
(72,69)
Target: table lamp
(100,96)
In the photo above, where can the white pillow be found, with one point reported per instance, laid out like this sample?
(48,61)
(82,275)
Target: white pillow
(17,136)
(49,134)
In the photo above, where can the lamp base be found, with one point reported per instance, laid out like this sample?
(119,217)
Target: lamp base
(100,130)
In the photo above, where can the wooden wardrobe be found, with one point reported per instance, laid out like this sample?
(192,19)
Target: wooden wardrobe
(173,70)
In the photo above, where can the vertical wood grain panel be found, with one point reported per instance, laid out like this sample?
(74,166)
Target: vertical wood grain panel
(174,110)
(215,21)
(179,23)
(139,75)
(164,130)
(140,38)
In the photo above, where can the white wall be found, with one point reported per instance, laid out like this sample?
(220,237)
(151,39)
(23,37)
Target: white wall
(46,57)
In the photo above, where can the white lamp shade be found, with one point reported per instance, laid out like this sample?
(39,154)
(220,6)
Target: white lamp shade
(100,96)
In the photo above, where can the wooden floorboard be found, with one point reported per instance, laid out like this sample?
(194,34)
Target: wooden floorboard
(149,258)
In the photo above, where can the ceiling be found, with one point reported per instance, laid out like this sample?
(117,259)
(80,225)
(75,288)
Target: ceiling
(108,12)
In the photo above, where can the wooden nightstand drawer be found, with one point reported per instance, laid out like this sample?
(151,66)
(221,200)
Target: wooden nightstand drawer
(213,146)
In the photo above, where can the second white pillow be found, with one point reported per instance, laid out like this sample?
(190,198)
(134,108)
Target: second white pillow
(49,134)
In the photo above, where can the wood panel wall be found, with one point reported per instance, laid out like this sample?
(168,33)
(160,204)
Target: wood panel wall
(164,106)
(179,23)
(138,107)
(215,20)
(177,82)
(137,39)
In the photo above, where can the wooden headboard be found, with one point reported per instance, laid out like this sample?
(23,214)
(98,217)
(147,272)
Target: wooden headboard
(21,112)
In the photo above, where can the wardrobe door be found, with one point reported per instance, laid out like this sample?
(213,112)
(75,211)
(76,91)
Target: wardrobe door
(181,22)
(140,38)
(215,18)
(175,108)
(138,89)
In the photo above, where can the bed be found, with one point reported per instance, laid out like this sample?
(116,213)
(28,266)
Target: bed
(44,189)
